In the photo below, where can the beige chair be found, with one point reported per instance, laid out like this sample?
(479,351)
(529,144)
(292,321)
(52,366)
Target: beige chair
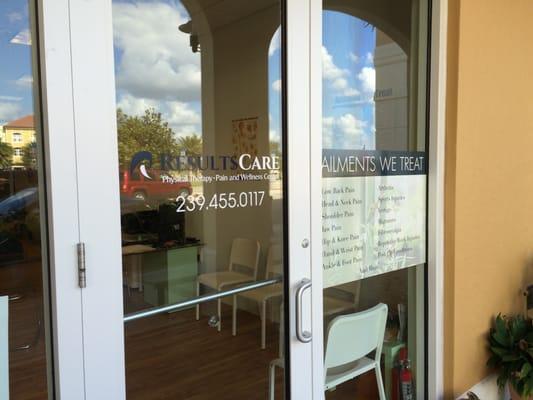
(244,256)
(342,298)
(274,269)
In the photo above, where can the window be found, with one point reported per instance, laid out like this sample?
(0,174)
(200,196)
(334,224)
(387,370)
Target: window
(17,152)
(17,138)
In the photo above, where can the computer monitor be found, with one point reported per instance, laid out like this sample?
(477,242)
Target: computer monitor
(171,223)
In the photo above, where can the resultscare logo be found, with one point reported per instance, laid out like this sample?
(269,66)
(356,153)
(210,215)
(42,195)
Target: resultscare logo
(244,162)
(138,161)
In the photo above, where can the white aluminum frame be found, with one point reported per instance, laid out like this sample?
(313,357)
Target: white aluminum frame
(300,198)
(62,197)
(315,106)
(83,203)
(91,35)
(437,133)
(82,176)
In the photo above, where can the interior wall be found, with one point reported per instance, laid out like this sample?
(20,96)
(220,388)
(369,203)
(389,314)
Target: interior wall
(241,91)
(489,191)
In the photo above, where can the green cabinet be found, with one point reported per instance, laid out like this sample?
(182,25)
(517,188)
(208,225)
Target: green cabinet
(169,275)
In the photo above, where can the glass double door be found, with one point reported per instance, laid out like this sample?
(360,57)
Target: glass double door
(251,190)
(194,198)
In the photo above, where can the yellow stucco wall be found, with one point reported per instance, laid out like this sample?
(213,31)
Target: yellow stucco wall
(489,177)
(27,136)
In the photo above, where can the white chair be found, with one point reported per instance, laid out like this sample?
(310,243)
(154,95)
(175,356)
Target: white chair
(4,347)
(274,269)
(244,255)
(350,339)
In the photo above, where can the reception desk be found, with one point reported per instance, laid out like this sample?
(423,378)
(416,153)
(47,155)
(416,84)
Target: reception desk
(164,275)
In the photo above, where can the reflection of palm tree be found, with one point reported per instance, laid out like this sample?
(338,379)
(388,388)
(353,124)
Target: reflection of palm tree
(191,145)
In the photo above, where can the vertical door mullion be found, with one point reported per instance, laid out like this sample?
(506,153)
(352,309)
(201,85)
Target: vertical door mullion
(298,130)
(315,106)
(62,198)
(99,204)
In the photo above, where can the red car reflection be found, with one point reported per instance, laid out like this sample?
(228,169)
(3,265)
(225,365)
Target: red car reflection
(137,186)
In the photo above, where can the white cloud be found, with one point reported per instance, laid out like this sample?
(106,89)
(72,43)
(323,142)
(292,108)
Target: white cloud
(335,76)
(156,61)
(276,85)
(343,132)
(9,111)
(135,106)
(25,81)
(351,92)
(329,70)
(370,58)
(327,132)
(354,57)
(350,126)
(23,37)
(10,98)
(275,43)
(367,76)
(180,116)
(14,17)
(274,135)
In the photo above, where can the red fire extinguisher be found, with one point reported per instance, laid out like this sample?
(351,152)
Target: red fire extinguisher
(395,390)
(402,378)
(406,380)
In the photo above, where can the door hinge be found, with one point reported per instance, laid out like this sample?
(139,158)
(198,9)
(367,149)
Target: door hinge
(82,274)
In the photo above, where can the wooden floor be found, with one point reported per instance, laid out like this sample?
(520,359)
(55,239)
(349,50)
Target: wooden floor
(173,356)
(27,367)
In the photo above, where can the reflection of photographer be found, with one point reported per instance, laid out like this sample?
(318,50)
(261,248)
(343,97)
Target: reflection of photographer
(19,222)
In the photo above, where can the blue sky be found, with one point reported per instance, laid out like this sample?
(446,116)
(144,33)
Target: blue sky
(15,61)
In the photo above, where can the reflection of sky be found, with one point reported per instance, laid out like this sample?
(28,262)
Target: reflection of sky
(348,82)
(274,84)
(154,63)
(15,61)
(155,67)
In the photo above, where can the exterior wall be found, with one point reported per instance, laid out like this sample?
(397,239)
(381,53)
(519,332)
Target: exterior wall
(489,190)
(27,137)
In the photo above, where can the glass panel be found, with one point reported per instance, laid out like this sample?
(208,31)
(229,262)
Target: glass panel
(23,267)
(200,150)
(374,195)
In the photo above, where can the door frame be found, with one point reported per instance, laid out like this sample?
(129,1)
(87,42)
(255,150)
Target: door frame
(59,145)
(436,189)
(300,202)
(434,290)
(69,102)
(82,196)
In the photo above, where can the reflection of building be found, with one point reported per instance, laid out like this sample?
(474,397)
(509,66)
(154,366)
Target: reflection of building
(19,133)
(391,94)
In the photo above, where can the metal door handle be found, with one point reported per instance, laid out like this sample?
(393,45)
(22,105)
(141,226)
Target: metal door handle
(303,336)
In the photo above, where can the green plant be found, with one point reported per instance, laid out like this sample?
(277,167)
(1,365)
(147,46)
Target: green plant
(511,348)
